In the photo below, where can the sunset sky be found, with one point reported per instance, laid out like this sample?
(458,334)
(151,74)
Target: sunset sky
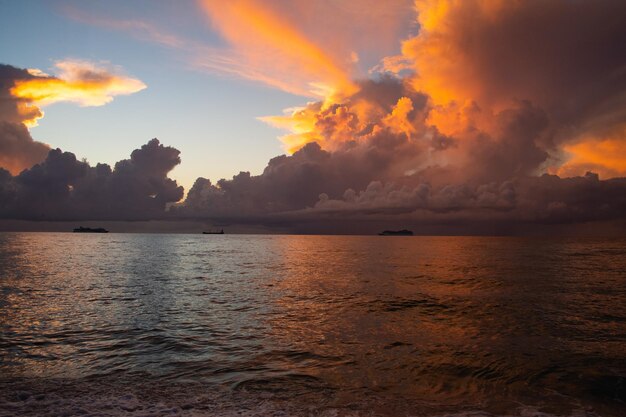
(426,109)
(192,100)
(210,117)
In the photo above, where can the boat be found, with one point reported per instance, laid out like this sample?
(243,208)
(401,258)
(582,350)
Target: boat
(82,229)
(402,232)
(221,232)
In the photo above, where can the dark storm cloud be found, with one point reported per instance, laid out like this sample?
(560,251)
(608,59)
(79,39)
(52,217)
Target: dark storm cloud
(63,188)
(18,150)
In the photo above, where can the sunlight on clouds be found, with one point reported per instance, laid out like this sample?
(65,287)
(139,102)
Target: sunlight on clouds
(334,125)
(29,113)
(80,82)
(281,54)
(438,53)
(398,120)
(299,122)
(469,73)
(606,157)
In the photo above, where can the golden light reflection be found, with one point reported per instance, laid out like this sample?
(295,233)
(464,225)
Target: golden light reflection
(333,295)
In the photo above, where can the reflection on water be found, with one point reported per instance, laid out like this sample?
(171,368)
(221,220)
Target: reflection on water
(393,326)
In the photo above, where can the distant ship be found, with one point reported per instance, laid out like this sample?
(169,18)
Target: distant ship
(90,230)
(221,232)
(402,232)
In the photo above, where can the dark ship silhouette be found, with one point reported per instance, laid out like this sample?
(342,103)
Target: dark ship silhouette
(221,232)
(82,229)
(402,232)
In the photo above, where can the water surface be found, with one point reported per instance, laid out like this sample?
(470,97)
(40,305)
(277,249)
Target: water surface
(311,325)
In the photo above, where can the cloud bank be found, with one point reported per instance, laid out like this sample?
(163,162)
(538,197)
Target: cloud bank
(64,188)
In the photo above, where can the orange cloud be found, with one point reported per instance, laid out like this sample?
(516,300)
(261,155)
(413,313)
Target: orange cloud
(279,52)
(477,58)
(606,157)
(456,53)
(313,123)
(333,125)
(327,126)
(79,82)
(398,120)
(300,123)
(557,54)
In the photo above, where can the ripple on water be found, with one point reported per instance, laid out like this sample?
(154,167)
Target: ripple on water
(311,325)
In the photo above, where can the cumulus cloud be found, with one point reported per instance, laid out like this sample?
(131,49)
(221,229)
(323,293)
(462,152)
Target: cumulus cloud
(18,150)
(64,188)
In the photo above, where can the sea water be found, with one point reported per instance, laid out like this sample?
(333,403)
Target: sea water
(259,325)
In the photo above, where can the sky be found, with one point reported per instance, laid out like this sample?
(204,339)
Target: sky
(210,115)
(182,105)
(315,116)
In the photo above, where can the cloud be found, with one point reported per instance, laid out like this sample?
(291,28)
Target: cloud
(18,150)
(382,104)
(320,188)
(398,147)
(307,48)
(278,50)
(22,92)
(310,48)
(544,199)
(197,55)
(562,56)
(602,155)
(141,29)
(81,82)
(491,51)
(64,188)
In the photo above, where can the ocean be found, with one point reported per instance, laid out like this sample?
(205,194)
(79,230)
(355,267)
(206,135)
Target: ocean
(278,325)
